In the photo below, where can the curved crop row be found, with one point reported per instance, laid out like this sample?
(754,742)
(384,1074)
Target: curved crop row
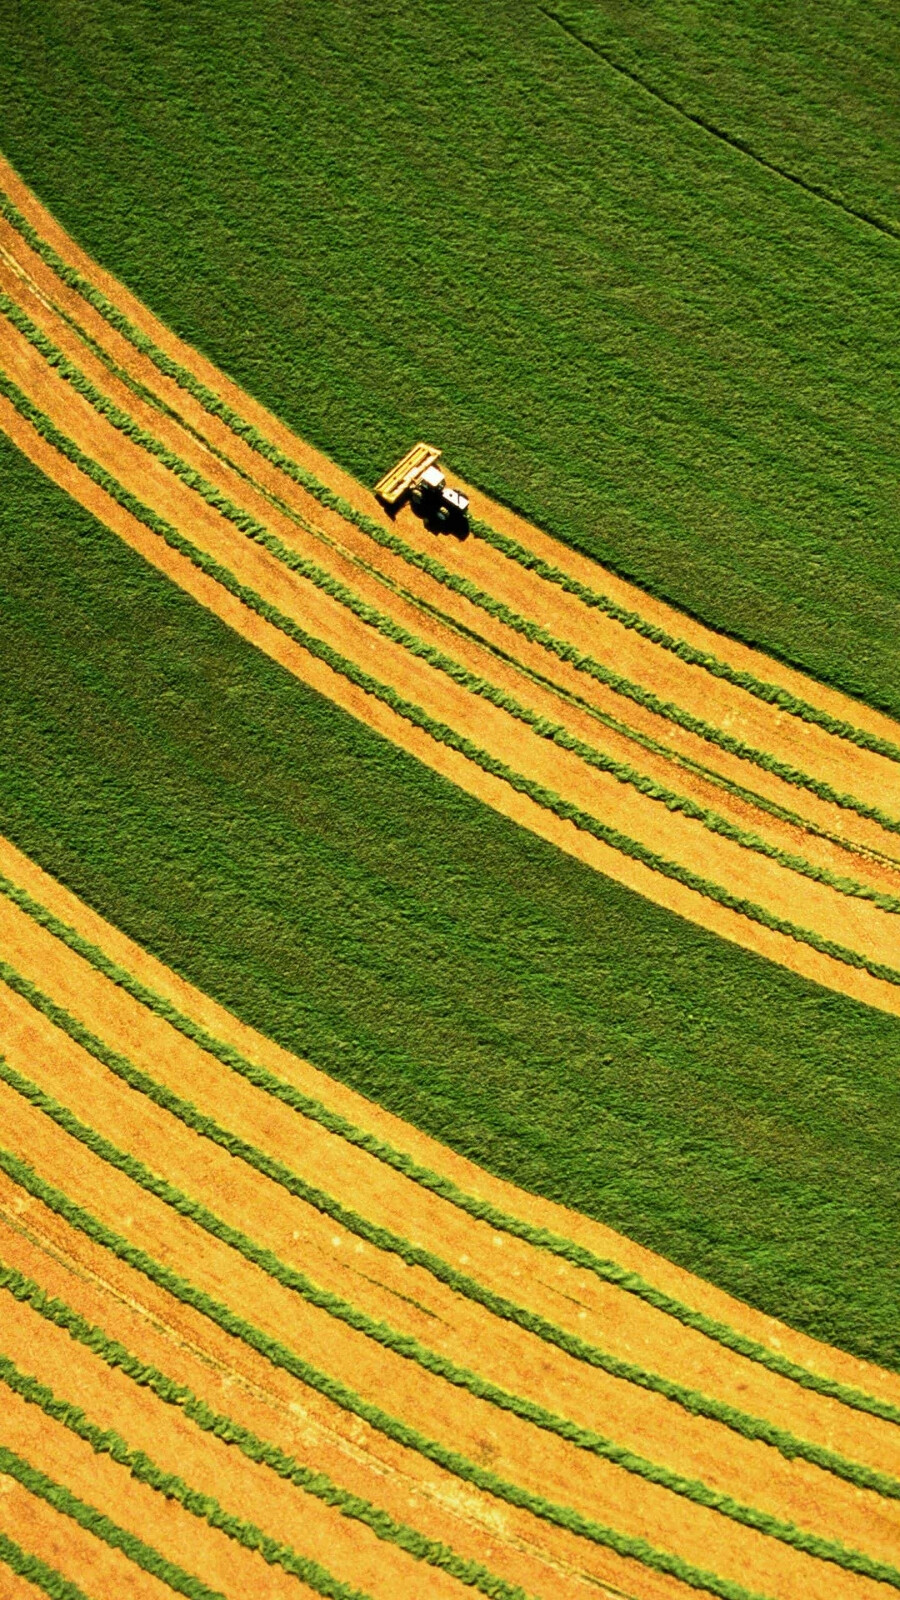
(281,1356)
(104,1441)
(213,403)
(555,732)
(430,1551)
(412,1349)
(102,1527)
(440,732)
(482,1210)
(691,1400)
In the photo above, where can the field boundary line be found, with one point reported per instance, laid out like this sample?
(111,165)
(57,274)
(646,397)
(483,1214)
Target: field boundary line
(539,1238)
(106,1441)
(734,142)
(25,1177)
(384,624)
(694,1402)
(34,1570)
(338,591)
(143,1374)
(440,732)
(103,1528)
(215,405)
(409,1348)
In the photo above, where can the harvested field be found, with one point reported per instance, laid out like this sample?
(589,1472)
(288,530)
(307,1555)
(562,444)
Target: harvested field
(400,1314)
(260,1331)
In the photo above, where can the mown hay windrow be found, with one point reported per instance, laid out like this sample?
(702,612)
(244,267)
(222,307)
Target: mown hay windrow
(675,1444)
(542,1458)
(295,1095)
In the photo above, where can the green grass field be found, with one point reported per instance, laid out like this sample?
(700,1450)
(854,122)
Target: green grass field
(329,889)
(417,220)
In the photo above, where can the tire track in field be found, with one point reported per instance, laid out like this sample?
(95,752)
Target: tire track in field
(544,763)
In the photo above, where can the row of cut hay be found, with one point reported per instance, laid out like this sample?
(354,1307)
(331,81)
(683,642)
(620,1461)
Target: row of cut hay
(439,732)
(97,980)
(767,692)
(411,1349)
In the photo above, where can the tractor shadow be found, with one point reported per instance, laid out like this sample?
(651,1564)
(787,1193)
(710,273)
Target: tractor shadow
(457,528)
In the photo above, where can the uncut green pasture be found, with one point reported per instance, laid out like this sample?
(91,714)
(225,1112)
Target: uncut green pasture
(420,219)
(527,1011)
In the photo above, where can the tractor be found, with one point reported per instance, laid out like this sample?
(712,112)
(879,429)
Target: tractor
(418,477)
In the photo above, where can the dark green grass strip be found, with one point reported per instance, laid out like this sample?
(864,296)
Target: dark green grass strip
(103,1528)
(482,1210)
(440,732)
(430,1551)
(555,732)
(412,1349)
(691,1400)
(105,1441)
(34,1570)
(281,1356)
(213,403)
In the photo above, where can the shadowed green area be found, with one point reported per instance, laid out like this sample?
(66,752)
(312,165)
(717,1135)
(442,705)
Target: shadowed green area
(414,219)
(333,892)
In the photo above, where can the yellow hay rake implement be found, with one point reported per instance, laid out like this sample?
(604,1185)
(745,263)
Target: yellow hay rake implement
(395,484)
